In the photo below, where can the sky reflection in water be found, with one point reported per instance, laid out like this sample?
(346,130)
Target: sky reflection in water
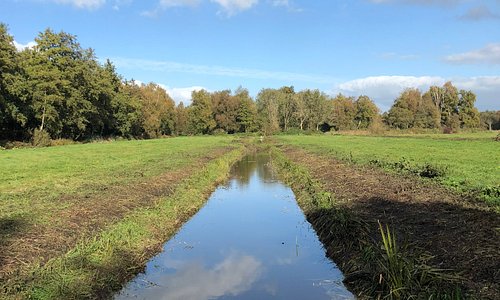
(251,241)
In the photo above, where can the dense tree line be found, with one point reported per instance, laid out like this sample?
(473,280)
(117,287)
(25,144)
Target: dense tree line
(438,107)
(57,89)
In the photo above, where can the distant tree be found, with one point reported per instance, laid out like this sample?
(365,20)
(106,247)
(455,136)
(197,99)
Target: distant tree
(427,114)
(247,111)
(403,111)
(200,113)
(343,112)
(157,111)
(268,110)
(181,119)
(126,106)
(14,111)
(286,106)
(366,112)
(310,109)
(467,112)
(225,110)
(490,119)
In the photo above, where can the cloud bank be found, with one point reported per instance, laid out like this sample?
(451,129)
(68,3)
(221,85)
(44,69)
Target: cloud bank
(490,54)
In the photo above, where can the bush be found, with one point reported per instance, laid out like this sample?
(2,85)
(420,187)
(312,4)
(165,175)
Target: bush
(16,144)
(41,138)
(432,171)
(219,131)
(62,142)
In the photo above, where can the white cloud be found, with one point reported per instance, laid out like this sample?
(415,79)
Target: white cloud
(490,54)
(86,4)
(232,7)
(175,67)
(384,89)
(182,94)
(178,3)
(21,47)
(227,8)
(231,277)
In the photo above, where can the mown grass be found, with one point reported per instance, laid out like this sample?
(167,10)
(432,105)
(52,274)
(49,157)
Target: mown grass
(469,164)
(32,178)
(98,266)
(374,268)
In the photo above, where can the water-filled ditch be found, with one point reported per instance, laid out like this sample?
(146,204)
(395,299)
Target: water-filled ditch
(250,241)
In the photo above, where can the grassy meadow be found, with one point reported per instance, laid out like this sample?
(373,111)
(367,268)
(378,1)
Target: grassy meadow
(78,220)
(468,162)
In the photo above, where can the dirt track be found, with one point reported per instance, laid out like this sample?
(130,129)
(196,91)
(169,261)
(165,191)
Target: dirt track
(460,234)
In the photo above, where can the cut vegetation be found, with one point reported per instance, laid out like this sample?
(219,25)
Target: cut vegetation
(78,221)
(394,234)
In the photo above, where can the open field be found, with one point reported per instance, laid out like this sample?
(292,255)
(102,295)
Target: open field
(74,214)
(469,162)
(78,221)
(443,246)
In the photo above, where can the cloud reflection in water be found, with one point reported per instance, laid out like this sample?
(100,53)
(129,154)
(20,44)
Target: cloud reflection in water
(233,276)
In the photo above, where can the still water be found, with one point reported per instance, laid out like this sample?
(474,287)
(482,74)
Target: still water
(250,241)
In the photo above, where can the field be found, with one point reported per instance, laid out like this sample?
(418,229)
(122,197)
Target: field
(443,230)
(58,202)
(468,162)
(77,221)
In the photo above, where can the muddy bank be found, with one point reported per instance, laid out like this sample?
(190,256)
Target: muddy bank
(442,229)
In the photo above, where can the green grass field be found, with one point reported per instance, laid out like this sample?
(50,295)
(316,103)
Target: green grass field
(31,178)
(72,214)
(471,162)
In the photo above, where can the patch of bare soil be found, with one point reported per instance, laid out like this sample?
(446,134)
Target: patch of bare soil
(85,216)
(461,234)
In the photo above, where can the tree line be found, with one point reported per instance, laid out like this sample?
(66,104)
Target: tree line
(58,89)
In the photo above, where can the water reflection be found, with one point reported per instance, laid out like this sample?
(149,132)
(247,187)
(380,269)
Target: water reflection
(191,280)
(251,241)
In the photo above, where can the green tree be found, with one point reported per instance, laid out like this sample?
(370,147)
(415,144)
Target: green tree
(181,119)
(310,109)
(157,111)
(490,119)
(267,108)
(467,112)
(247,111)
(14,112)
(403,111)
(286,106)
(225,111)
(200,113)
(343,112)
(366,112)
(127,111)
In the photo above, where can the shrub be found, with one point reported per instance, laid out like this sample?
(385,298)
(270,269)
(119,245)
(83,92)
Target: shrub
(41,138)
(62,142)
(432,171)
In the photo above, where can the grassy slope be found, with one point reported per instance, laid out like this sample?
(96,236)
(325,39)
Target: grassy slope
(471,164)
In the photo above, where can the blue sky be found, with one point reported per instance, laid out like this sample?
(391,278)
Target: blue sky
(373,47)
